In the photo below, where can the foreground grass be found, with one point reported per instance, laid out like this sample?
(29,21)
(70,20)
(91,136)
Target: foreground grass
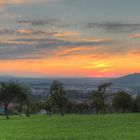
(72,127)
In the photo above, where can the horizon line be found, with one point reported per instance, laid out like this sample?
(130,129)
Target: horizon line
(65,77)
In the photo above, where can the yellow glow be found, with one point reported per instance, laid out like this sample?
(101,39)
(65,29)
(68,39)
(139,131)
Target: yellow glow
(66,34)
(76,65)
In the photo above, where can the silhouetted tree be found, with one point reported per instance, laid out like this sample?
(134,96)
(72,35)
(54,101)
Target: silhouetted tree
(122,101)
(138,103)
(98,101)
(82,107)
(58,96)
(47,105)
(24,100)
(99,97)
(35,107)
(9,92)
(134,105)
(103,87)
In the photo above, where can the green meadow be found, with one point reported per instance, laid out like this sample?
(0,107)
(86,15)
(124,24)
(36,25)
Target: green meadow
(71,127)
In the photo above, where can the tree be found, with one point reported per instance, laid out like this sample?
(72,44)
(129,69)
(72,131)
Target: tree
(58,96)
(10,92)
(138,103)
(48,106)
(45,105)
(23,100)
(103,87)
(99,97)
(35,107)
(134,105)
(122,101)
(98,101)
(82,107)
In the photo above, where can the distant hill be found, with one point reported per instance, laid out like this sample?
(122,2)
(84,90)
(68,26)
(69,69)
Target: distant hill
(70,83)
(66,80)
(131,80)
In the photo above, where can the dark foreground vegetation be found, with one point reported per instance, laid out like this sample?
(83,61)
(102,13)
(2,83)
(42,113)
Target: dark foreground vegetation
(16,98)
(71,127)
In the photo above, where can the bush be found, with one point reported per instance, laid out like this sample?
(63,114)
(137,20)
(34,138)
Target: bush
(122,102)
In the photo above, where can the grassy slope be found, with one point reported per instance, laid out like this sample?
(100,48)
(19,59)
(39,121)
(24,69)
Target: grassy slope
(72,127)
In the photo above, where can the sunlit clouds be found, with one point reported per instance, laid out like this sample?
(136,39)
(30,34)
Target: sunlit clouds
(55,38)
(134,36)
(3,2)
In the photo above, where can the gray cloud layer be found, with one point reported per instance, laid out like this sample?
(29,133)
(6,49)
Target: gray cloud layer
(114,27)
(37,43)
(50,22)
(23,48)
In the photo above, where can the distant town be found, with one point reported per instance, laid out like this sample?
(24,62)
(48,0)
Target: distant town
(80,88)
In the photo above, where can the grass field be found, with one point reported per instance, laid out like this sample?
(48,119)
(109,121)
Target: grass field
(72,127)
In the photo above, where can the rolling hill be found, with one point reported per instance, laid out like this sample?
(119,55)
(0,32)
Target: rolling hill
(131,80)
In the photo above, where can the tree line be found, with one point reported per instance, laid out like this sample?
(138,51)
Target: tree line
(19,96)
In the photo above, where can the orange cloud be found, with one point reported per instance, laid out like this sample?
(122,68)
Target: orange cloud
(15,43)
(136,53)
(66,34)
(71,51)
(134,36)
(25,31)
(4,2)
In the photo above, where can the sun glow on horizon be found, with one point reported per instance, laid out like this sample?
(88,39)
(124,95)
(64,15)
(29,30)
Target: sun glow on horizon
(74,66)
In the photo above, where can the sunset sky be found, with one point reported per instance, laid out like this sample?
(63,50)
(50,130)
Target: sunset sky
(69,38)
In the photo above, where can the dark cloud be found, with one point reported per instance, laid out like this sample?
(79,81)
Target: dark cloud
(19,51)
(114,27)
(50,22)
(92,43)
(27,31)
(52,42)
(39,47)
(33,22)
(38,40)
(6,31)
